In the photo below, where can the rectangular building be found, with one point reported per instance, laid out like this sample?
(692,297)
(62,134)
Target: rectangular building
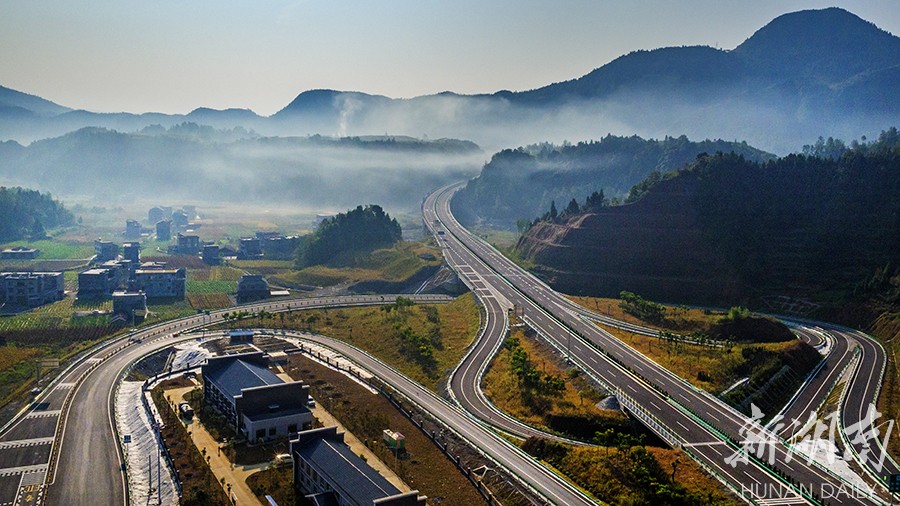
(160,282)
(249,249)
(252,287)
(327,471)
(255,401)
(31,289)
(210,254)
(129,303)
(164,230)
(133,228)
(98,283)
(131,251)
(188,244)
(105,251)
(20,253)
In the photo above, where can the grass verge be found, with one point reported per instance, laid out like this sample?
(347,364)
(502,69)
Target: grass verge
(395,264)
(623,472)
(366,415)
(423,341)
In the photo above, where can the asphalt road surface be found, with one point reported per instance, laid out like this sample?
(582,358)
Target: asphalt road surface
(678,412)
(63,450)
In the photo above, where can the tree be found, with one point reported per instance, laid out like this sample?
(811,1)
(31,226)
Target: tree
(553,214)
(572,209)
(522,225)
(37,230)
(594,201)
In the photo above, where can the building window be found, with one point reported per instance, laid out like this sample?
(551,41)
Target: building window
(272,431)
(261,433)
(292,428)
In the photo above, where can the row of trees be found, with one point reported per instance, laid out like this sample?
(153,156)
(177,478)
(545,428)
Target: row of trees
(593,203)
(526,372)
(417,346)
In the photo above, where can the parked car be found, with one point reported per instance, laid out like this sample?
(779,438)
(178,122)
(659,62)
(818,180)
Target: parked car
(185,410)
(284,459)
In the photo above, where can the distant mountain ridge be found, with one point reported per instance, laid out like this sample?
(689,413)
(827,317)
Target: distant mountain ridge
(804,74)
(197,162)
(12,101)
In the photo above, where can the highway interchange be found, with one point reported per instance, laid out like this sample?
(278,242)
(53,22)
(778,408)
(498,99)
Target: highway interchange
(695,420)
(65,450)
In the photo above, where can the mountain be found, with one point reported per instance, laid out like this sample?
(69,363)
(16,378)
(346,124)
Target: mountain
(804,74)
(522,183)
(727,230)
(15,102)
(197,162)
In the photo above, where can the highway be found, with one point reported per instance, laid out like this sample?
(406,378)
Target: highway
(848,348)
(529,471)
(64,450)
(679,413)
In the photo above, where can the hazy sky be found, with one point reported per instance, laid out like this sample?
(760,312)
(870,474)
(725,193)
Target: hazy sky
(175,55)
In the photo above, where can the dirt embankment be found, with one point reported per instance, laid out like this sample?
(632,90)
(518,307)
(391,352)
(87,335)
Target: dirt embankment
(655,247)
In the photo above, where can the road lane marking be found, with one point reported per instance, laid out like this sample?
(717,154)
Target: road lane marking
(19,443)
(11,471)
(43,414)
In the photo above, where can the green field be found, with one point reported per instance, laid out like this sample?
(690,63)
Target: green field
(394,264)
(56,249)
(207,287)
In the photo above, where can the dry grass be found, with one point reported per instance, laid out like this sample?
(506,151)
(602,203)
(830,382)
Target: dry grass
(677,317)
(704,367)
(375,330)
(397,263)
(10,356)
(215,273)
(590,467)
(887,330)
(503,389)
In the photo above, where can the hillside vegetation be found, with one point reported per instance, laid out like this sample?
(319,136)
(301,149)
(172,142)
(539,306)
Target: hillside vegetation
(729,230)
(358,231)
(522,183)
(28,213)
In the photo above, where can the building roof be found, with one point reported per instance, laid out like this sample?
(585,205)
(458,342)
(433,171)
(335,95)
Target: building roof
(28,274)
(151,272)
(95,272)
(347,471)
(324,499)
(234,375)
(279,413)
(128,293)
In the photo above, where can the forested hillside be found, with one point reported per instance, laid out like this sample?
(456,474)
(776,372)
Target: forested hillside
(728,230)
(359,230)
(519,184)
(28,213)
